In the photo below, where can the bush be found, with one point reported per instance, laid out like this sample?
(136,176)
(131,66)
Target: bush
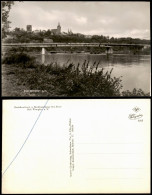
(135,93)
(21,59)
(88,81)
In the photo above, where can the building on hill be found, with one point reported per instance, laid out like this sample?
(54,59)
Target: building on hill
(29,28)
(47,40)
(56,31)
(36,31)
(70,32)
(80,35)
(88,36)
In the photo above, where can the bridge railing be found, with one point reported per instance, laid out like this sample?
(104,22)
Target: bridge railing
(71,44)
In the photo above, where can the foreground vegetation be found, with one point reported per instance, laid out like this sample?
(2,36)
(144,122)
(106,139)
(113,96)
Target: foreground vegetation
(69,80)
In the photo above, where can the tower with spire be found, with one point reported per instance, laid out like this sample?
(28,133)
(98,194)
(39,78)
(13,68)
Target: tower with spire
(58,29)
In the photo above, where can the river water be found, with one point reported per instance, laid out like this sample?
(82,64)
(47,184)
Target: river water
(134,69)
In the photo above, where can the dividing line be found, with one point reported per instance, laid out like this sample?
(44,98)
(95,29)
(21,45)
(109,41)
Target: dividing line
(114,168)
(107,153)
(25,139)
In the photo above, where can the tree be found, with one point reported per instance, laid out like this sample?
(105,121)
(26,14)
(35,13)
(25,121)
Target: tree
(6,6)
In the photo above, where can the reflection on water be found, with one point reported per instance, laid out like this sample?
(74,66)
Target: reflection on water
(135,69)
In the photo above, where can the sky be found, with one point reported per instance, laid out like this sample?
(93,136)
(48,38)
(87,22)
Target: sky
(109,18)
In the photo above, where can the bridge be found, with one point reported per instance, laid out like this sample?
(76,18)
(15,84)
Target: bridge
(108,46)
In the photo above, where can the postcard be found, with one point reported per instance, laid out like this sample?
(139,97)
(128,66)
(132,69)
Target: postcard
(76,49)
(76,146)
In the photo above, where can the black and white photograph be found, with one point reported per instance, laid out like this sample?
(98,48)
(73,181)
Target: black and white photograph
(76,49)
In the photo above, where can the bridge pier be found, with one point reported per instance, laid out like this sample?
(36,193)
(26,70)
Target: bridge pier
(109,50)
(43,55)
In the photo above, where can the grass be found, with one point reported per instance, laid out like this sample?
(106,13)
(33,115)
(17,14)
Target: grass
(69,80)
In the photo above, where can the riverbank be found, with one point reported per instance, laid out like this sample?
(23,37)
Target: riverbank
(22,76)
(11,83)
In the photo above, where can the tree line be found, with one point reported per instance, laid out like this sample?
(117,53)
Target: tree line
(20,35)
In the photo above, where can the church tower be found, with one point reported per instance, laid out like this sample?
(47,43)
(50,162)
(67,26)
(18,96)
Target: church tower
(58,29)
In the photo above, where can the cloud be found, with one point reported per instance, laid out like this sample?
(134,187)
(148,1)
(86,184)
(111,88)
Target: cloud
(89,17)
(81,20)
(106,21)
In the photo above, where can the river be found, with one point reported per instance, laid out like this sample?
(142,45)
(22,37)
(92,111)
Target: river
(134,69)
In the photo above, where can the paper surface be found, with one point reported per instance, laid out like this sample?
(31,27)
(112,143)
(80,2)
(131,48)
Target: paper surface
(76,146)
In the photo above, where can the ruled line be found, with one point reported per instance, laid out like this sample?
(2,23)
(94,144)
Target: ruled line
(111,143)
(108,153)
(115,168)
